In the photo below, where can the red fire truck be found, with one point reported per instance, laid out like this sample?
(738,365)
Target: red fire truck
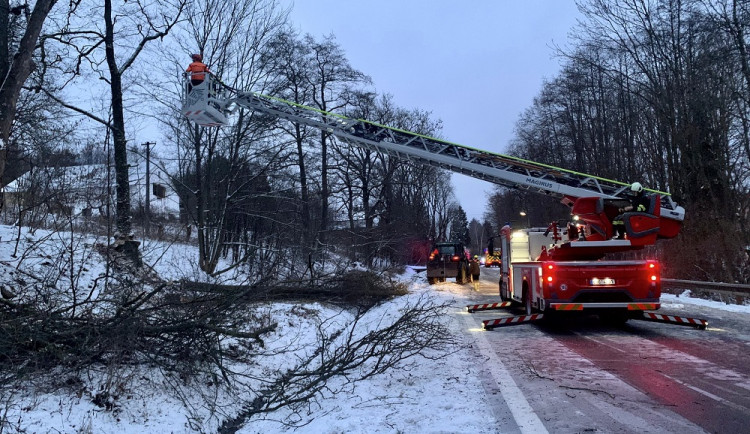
(540,269)
(616,290)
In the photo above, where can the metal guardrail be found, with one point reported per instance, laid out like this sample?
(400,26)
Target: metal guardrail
(729,293)
(691,284)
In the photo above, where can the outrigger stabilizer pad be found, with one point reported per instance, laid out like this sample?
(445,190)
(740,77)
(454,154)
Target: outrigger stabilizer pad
(700,324)
(511,320)
(487,306)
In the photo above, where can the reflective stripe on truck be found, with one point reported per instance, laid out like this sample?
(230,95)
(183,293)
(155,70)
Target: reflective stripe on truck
(582,306)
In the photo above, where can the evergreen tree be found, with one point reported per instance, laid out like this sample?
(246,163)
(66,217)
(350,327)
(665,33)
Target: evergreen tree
(459,226)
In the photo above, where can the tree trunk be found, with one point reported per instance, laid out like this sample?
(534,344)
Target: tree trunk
(324,199)
(14,75)
(304,191)
(122,178)
(200,202)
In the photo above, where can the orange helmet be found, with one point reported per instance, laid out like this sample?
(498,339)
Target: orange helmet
(197,57)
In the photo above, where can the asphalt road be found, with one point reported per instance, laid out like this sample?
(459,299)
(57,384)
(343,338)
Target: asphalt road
(575,374)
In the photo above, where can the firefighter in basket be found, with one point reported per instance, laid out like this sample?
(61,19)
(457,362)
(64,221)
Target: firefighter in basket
(197,71)
(638,202)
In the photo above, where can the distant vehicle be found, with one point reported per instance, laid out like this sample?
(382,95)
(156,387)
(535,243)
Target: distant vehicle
(493,259)
(448,260)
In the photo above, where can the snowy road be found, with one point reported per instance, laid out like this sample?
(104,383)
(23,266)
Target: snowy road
(578,375)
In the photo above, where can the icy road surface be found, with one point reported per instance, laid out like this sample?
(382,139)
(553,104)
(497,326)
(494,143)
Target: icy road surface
(578,375)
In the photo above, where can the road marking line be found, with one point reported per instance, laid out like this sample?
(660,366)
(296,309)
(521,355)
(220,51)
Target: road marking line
(601,342)
(708,394)
(525,416)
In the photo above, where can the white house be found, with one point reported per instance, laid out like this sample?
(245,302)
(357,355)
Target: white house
(83,190)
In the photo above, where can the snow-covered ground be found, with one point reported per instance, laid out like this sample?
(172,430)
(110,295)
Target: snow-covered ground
(435,395)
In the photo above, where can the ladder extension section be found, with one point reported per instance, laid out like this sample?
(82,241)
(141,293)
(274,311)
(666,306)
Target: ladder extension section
(499,169)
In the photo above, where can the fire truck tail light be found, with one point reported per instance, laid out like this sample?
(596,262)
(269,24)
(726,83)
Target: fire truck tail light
(432,257)
(455,258)
(653,272)
(547,274)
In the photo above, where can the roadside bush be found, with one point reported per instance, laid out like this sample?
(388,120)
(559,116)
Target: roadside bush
(194,331)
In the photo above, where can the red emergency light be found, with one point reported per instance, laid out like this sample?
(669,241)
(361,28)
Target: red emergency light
(548,275)
(653,271)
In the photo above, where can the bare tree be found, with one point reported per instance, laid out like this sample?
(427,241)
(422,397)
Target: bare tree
(733,18)
(676,61)
(314,73)
(16,69)
(94,47)
(653,91)
(439,203)
(230,168)
(287,59)
(405,213)
(332,80)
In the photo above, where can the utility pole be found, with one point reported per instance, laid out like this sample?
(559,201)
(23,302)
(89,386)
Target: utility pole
(147,210)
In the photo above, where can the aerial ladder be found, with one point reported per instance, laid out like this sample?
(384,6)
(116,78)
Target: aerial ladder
(593,200)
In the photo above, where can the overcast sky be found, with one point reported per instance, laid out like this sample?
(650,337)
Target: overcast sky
(476,65)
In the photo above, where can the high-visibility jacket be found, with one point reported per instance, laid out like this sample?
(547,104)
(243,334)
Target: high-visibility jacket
(197,70)
(640,203)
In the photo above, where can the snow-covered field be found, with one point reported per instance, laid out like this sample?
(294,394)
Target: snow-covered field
(442,394)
